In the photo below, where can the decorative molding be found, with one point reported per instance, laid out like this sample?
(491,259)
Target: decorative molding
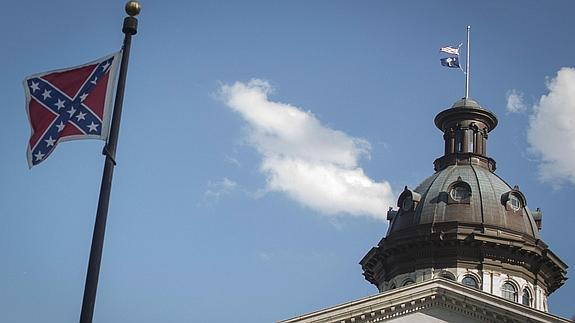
(457,245)
(436,293)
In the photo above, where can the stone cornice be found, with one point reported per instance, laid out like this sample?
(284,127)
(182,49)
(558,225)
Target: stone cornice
(436,293)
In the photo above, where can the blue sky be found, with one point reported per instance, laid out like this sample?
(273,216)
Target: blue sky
(244,124)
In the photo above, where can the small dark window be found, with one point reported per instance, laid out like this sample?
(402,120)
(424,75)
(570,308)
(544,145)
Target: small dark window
(459,192)
(407,203)
(514,202)
(392,286)
(408,282)
(526,298)
(509,292)
(470,281)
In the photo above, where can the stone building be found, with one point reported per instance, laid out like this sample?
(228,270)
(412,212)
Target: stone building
(463,246)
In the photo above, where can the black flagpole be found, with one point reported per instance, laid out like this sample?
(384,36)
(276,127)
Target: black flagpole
(129,28)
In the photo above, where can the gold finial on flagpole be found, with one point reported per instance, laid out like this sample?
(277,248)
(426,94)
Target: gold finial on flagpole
(133,8)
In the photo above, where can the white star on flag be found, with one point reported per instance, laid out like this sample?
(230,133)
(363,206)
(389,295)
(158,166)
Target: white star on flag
(81,116)
(50,142)
(46,94)
(60,126)
(59,104)
(39,155)
(71,111)
(93,126)
(34,86)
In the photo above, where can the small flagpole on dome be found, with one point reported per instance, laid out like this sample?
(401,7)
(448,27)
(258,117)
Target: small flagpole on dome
(467,65)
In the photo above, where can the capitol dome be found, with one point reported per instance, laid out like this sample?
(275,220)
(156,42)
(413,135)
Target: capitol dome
(466,224)
(468,196)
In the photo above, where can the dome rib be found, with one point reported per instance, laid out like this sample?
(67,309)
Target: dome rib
(493,209)
(435,209)
(480,195)
(417,215)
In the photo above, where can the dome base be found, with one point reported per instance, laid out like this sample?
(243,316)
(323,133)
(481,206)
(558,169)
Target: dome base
(464,159)
(468,246)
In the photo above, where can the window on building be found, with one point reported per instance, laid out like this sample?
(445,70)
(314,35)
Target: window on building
(515,202)
(470,281)
(526,298)
(508,291)
(407,203)
(392,286)
(460,192)
(407,282)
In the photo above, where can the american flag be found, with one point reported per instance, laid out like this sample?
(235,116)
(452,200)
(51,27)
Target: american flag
(450,50)
(69,104)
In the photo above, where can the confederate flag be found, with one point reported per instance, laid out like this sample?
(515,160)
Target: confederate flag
(68,104)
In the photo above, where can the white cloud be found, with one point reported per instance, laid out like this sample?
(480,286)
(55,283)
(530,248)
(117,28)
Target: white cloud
(515,102)
(219,188)
(311,163)
(551,132)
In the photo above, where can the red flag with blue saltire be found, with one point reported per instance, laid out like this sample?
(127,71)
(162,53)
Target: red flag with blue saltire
(69,104)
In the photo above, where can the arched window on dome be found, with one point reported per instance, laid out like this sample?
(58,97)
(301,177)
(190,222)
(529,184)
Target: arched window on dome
(407,204)
(470,281)
(408,200)
(513,200)
(509,292)
(392,286)
(526,298)
(459,192)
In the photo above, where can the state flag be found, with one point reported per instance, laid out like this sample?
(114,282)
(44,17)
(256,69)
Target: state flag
(69,104)
(450,62)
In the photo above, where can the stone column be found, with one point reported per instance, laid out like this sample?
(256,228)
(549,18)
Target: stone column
(484,142)
(465,142)
(451,141)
